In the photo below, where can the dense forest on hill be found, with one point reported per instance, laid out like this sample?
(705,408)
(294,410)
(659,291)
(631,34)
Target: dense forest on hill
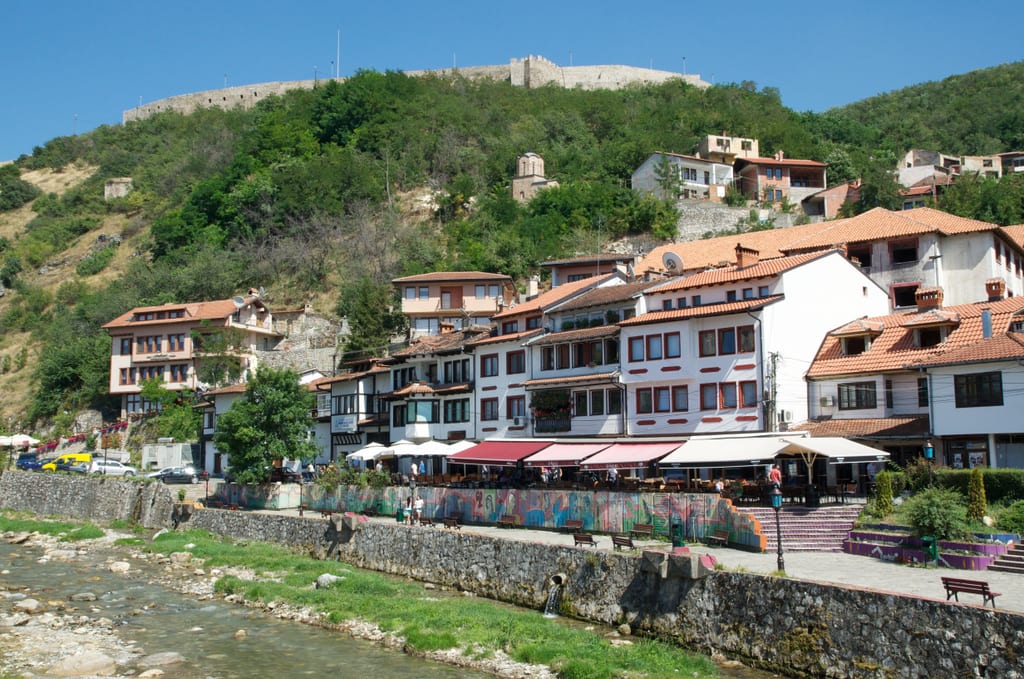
(321,193)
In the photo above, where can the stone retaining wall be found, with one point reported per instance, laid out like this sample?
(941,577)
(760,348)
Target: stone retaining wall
(793,626)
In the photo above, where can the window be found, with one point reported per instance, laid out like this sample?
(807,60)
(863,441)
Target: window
(654,352)
(695,300)
(424,292)
(547,358)
(489,409)
(515,407)
(489,365)
(456,411)
(855,345)
(596,352)
(480,291)
(728,394)
(597,402)
(666,305)
(730,296)
(533,322)
(903,251)
(929,337)
(706,339)
(564,354)
(580,400)
(746,337)
(681,303)
(680,399)
(402,377)
(862,253)
(176,342)
(151,373)
(127,376)
(423,411)
(727,341)
(748,394)
(709,397)
(672,348)
(888,393)
(857,396)
(410,292)
(126,346)
(636,348)
(456,372)
(344,404)
(748,293)
(904,295)
(179,373)
(509,327)
(662,399)
(147,345)
(746,145)
(398,415)
(762,291)
(644,401)
(977,390)
(515,362)
(922,392)
(614,402)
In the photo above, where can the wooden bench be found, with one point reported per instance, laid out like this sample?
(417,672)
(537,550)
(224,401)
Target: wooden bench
(426,521)
(622,542)
(583,539)
(642,530)
(720,536)
(954,586)
(573,525)
(452,522)
(508,521)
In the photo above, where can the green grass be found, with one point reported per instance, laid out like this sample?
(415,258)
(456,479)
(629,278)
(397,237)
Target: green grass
(430,621)
(67,531)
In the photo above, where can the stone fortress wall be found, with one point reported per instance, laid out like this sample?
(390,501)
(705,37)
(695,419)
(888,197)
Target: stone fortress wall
(531,71)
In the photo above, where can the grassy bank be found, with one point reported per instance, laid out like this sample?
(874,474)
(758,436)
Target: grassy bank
(430,622)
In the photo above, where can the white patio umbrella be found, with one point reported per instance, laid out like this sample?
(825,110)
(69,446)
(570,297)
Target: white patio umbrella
(5,441)
(23,441)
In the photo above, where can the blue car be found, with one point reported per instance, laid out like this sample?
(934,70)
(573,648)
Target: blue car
(29,462)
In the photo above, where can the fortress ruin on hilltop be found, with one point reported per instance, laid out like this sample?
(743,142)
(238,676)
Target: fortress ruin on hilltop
(529,72)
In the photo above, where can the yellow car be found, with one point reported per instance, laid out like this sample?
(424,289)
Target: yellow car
(68,459)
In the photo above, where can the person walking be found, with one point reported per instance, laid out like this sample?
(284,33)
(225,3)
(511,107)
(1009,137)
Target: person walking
(775,476)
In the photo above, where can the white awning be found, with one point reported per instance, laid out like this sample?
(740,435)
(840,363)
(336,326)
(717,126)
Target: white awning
(724,452)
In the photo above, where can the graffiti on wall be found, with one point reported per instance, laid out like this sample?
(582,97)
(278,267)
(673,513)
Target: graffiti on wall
(697,514)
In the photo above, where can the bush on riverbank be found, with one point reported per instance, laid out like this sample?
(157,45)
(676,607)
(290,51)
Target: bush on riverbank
(434,620)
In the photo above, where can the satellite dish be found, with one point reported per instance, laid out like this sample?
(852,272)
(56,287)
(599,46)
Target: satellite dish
(673,262)
(239,302)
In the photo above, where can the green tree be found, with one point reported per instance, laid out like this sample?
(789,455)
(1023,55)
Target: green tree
(667,174)
(271,422)
(177,418)
(977,505)
(372,318)
(220,362)
(939,512)
(14,191)
(883,493)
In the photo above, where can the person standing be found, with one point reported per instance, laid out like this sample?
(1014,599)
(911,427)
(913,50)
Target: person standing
(417,509)
(775,476)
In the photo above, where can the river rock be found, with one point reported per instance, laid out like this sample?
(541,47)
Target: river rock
(28,605)
(624,630)
(326,580)
(119,567)
(161,659)
(84,664)
(83,596)
(19,538)
(149,674)
(180,558)
(240,634)
(60,555)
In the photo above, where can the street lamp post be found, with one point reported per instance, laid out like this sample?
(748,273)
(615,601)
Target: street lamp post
(776,496)
(929,454)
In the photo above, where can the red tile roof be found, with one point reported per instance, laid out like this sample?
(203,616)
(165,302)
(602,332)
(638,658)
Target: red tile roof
(1015,233)
(868,427)
(445,342)
(577,335)
(608,294)
(792,162)
(997,348)
(574,380)
(702,311)
(196,311)
(550,297)
(588,259)
(511,337)
(766,268)
(452,276)
(894,349)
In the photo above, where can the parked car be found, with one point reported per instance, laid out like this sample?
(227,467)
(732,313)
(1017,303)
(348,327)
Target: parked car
(29,462)
(112,468)
(74,468)
(284,475)
(180,475)
(63,462)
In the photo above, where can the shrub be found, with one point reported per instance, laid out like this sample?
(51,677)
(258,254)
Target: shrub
(95,262)
(883,493)
(1012,518)
(977,506)
(918,474)
(939,512)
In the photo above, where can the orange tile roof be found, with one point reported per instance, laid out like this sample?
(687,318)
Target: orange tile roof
(445,342)
(573,380)
(894,348)
(196,311)
(349,376)
(947,223)
(446,276)
(868,427)
(230,389)
(588,259)
(1015,233)
(996,348)
(511,337)
(861,326)
(702,311)
(550,297)
(796,162)
(607,295)
(766,268)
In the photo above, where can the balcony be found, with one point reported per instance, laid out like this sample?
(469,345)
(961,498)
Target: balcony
(549,425)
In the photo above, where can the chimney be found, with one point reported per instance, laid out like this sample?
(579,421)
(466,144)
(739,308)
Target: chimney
(986,323)
(928,298)
(995,288)
(446,327)
(780,155)
(533,286)
(746,256)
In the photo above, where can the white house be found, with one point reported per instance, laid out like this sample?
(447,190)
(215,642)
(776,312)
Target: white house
(695,178)
(352,405)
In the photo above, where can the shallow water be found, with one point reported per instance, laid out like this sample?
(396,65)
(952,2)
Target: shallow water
(157,620)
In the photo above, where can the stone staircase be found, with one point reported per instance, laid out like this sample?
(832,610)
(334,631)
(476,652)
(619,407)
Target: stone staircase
(819,529)
(1011,562)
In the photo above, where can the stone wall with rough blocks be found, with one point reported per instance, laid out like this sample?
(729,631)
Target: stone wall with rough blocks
(697,218)
(789,625)
(89,499)
(310,342)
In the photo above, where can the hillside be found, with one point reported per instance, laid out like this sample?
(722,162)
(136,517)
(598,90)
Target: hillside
(324,195)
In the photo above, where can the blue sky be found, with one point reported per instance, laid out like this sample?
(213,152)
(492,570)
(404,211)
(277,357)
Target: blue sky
(69,66)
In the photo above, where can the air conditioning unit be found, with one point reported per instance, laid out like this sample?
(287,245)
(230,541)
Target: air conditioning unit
(785,416)
(827,401)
